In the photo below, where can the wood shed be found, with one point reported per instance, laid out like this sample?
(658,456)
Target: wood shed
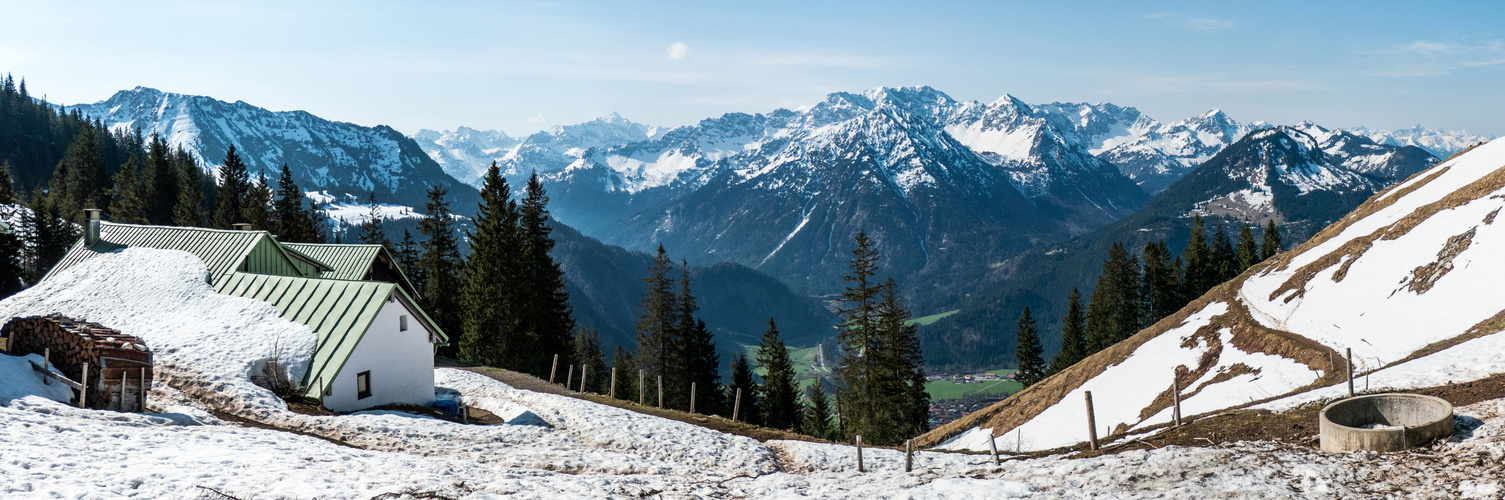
(119,366)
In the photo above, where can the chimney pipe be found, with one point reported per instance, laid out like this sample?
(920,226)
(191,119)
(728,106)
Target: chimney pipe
(241,226)
(91,232)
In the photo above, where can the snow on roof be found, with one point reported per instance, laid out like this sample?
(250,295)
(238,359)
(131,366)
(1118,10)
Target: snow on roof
(222,251)
(161,297)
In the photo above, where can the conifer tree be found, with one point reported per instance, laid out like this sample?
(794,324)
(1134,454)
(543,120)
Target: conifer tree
(589,355)
(407,259)
(656,354)
(258,204)
(1162,282)
(490,333)
(703,368)
(1028,351)
(778,392)
(742,379)
(1272,244)
(371,230)
(126,204)
(1073,335)
(7,185)
(818,418)
(1201,272)
(627,386)
(295,222)
(900,375)
(189,209)
(230,200)
(1117,308)
(858,337)
(12,270)
(1248,250)
(1223,257)
(163,180)
(441,262)
(81,179)
(544,311)
(51,235)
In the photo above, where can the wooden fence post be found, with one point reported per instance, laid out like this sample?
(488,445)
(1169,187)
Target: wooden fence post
(1350,371)
(120,404)
(909,455)
(737,406)
(569,380)
(1176,397)
(553,368)
(582,376)
(660,392)
(84,393)
(613,390)
(642,389)
(1091,423)
(692,398)
(993,448)
(859,453)
(47,371)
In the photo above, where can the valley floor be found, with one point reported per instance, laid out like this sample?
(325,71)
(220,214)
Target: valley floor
(579,449)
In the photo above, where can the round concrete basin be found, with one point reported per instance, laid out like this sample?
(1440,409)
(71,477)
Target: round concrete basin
(1384,422)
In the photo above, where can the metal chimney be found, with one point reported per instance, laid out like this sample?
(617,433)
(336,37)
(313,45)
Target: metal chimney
(241,226)
(91,232)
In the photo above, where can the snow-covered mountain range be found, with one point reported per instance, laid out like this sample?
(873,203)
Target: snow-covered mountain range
(1400,280)
(345,160)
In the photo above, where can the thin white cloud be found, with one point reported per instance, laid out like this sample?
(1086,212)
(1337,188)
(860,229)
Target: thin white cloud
(1195,23)
(1433,58)
(538,118)
(678,51)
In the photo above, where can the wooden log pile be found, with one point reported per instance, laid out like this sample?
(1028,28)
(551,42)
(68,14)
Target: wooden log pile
(119,365)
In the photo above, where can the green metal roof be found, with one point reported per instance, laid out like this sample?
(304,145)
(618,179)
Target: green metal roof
(351,262)
(339,311)
(223,251)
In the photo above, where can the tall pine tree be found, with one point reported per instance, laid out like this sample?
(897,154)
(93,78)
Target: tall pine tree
(544,309)
(1162,282)
(657,323)
(1073,335)
(441,262)
(1201,269)
(295,221)
(818,419)
(778,393)
(1272,244)
(235,182)
(1225,260)
(627,387)
(742,380)
(162,179)
(258,204)
(371,228)
(490,333)
(1248,250)
(126,203)
(592,359)
(1027,351)
(858,309)
(1117,308)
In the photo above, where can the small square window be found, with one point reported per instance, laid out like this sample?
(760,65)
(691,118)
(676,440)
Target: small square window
(363,385)
(402,323)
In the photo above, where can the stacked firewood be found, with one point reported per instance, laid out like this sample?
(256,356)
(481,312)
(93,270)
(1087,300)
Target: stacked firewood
(112,358)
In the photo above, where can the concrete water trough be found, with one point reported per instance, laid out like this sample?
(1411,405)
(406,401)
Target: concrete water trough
(1384,422)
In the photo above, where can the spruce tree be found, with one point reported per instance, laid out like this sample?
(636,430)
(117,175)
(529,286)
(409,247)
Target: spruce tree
(1117,308)
(858,337)
(742,379)
(1223,257)
(258,204)
(1201,272)
(544,311)
(778,393)
(656,326)
(1162,282)
(441,262)
(407,259)
(588,354)
(51,235)
(818,418)
(899,378)
(490,332)
(1073,335)
(627,378)
(7,184)
(12,264)
(1027,351)
(295,222)
(81,179)
(371,228)
(189,209)
(230,200)
(163,180)
(126,204)
(703,368)
(1248,250)
(1272,244)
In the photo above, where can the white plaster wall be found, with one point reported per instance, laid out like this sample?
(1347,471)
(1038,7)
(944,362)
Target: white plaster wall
(401,364)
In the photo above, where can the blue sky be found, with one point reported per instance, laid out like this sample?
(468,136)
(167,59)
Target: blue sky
(520,67)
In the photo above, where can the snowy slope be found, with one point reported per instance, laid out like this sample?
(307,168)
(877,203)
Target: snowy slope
(1405,275)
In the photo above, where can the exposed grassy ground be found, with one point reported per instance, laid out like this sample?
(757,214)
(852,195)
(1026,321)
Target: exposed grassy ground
(946,389)
(928,320)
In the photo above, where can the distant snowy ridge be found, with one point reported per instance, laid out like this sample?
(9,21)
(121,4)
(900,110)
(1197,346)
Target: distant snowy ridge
(1441,143)
(1403,273)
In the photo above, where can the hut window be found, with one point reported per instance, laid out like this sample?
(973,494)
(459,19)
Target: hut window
(402,323)
(363,385)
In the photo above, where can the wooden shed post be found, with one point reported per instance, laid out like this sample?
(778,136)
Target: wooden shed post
(84,379)
(120,403)
(553,368)
(142,388)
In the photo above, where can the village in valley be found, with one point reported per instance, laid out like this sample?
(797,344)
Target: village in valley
(812,278)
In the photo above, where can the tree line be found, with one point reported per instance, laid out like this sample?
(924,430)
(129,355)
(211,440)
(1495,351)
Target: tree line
(1132,294)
